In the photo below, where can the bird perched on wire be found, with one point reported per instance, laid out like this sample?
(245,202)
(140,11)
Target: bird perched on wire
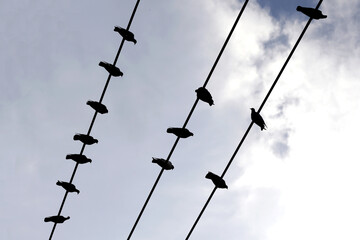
(180,132)
(162,163)
(204,95)
(68,186)
(218,181)
(99,107)
(56,219)
(311,12)
(126,34)
(113,70)
(81,159)
(257,119)
(86,139)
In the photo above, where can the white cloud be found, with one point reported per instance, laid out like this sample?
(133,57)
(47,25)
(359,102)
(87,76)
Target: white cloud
(296,180)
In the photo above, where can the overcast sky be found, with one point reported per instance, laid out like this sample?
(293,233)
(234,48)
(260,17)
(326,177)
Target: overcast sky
(297,180)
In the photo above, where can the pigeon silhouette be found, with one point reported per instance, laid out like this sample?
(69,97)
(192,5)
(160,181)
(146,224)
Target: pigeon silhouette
(68,186)
(257,119)
(113,70)
(218,181)
(311,12)
(126,34)
(56,219)
(81,159)
(204,95)
(86,139)
(162,163)
(101,108)
(180,132)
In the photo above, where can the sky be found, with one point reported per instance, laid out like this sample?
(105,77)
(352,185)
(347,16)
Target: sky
(296,180)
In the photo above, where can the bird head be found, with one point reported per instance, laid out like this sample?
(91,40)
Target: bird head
(117,28)
(134,41)
(298,8)
(58,183)
(252,109)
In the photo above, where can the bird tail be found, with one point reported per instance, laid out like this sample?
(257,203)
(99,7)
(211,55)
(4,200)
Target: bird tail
(47,219)
(170,130)
(102,64)
(76,137)
(154,160)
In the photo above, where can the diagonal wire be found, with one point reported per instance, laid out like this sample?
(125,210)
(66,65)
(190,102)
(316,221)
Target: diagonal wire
(251,124)
(95,114)
(188,117)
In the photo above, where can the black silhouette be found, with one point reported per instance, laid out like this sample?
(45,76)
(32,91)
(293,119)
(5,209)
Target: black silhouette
(162,163)
(204,95)
(56,219)
(218,181)
(257,119)
(68,186)
(86,139)
(127,35)
(113,70)
(81,159)
(180,132)
(311,12)
(101,108)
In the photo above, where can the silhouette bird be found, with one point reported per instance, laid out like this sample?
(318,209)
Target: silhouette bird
(218,181)
(113,70)
(257,119)
(162,163)
(56,219)
(101,108)
(204,95)
(68,186)
(86,139)
(81,159)
(180,132)
(311,12)
(126,34)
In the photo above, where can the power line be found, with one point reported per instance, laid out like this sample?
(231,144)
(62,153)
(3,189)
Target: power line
(95,114)
(251,124)
(188,117)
